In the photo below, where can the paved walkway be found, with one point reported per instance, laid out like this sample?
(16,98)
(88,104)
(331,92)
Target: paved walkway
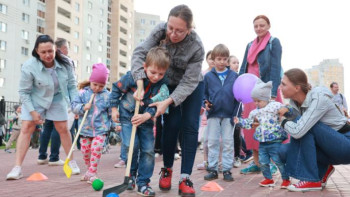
(59,186)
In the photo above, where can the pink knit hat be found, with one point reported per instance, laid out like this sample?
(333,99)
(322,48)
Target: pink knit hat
(99,73)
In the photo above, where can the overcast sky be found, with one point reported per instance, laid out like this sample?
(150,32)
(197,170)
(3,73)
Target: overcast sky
(309,30)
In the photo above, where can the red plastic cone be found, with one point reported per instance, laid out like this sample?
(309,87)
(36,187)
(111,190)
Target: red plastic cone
(37,177)
(212,187)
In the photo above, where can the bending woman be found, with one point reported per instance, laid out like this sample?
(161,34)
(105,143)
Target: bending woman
(186,91)
(320,133)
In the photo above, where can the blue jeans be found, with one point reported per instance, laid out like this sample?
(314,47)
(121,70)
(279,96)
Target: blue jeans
(73,130)
(268,151)
(49,131)
(307,158)
(220,128)
(143,154)
(184,117)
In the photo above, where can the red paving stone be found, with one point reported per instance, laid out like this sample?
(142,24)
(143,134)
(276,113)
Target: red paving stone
(59,186)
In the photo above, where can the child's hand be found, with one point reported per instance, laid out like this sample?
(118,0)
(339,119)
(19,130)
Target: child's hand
(140,118)
(115,114)
(208,105)
(235,120)
(255,123)
(202,111)
(282,111)
(118,128)
(87,106)
(142,90)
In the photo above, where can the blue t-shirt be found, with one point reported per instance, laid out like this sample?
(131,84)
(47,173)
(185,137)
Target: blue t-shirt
(222,75)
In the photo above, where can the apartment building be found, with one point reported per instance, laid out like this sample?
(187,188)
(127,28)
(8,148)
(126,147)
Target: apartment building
(144,24)
(328,71)
(96,31)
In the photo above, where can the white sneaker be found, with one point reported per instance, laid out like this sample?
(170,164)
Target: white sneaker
(75,169)
(177,156)
(42,161)
(56,163)
(120,164)
(156,155)
(237,162)
(15,174)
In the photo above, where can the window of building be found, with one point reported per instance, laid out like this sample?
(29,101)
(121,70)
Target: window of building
(143,21)
(102,1)
(40,25)
(3,8)
(142,32)
(122,64)
(26,2)
(25,17)
(100,48)
(41,10)
(76,49)
(24,51)
(77,6)
(123,53)
(2,81)
(88,69)
(124,42)
(42,1)
(101,12)
(101,24)
(100,36)
(89,30)
(90,5)
(99,59)
(124,8)
(2,45)
(152,22)
(76,35)
(125,20)
(88,43)
(3,26)
(68,1)
(89,18)
(76,20)
(2,64)
(25,34)
(88,56)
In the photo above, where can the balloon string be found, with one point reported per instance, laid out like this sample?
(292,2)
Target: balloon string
(239,107)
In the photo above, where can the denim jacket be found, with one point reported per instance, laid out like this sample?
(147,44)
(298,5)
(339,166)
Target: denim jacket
(122,97)
(224,104)
(98,120)
(185,64)
(269,61)
(36,87)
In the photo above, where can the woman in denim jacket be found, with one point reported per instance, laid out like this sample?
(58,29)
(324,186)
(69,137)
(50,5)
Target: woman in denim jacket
(263,59)
(47,85)
(319,130)
(186,91)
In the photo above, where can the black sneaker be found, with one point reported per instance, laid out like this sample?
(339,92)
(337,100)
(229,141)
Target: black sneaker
(211,175)
(228,176)
(146,190)
(132,181)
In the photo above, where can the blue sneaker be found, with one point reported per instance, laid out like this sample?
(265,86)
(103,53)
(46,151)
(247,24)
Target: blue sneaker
(252,168)
(273,169)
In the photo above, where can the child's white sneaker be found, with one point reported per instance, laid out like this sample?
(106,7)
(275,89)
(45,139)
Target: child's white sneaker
(15,174)
(74,166)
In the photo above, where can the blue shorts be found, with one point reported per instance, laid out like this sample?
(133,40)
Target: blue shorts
(56,112)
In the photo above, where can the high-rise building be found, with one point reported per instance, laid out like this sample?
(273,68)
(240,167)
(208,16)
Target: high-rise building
(328,71)
(96,31)
(144,24)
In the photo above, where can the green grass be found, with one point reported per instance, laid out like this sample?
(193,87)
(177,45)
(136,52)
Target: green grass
(12,147)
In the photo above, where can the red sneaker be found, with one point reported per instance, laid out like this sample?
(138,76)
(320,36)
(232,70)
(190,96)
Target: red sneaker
(186,188)
(165,179)
(285,184)
(304,186)
(328,174)
(267,183)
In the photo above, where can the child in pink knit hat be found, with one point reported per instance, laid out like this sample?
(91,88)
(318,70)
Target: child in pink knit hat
(98,120)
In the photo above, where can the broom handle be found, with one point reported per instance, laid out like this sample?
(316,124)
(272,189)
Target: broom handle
(80,127)
(133,133)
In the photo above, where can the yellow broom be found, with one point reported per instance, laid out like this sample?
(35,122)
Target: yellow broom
(66,168)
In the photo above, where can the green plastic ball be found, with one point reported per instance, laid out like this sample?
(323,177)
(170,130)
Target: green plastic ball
(97,184)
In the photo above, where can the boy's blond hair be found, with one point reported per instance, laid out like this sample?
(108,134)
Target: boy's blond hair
(158,57)
(220,50)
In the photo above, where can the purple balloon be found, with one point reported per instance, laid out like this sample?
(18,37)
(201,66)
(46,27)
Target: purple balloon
(243,87)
